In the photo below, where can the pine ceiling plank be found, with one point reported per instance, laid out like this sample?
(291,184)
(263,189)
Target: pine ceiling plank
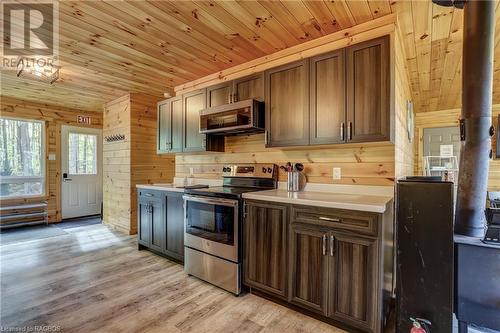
(263,17)
(194,22)
(188,8)
(280,13)
(360,11)
(252,23)
(422,17)
(306,20)
(441,22)
(195,52)
(341,13)
(379,7)
(221,52)
(150,42)
(323,16)
(214,9)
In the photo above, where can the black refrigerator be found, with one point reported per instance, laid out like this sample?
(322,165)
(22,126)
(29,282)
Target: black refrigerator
(424,257)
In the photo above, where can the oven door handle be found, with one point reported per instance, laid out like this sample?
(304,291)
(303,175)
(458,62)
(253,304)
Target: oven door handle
(222,202)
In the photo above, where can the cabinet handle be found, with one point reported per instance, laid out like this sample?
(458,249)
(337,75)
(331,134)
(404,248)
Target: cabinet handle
(342,131)
(203,142)
(230,97)
(324,245)
(266,137)
(245,210)
(148,195)
(332,243)
(349,129)
(235,97)
(330,219)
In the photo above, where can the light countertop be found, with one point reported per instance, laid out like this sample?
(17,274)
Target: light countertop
(161,187)
(360,202)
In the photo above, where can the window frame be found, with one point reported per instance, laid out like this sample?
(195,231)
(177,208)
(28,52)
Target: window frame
(43,168)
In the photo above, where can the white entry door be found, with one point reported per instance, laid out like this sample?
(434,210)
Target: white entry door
(81,167)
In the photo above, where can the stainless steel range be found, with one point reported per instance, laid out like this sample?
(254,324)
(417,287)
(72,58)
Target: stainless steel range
(213,224)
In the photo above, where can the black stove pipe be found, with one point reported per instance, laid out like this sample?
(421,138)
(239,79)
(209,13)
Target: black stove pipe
(477,83)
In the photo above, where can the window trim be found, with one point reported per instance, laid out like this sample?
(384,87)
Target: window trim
(43,172)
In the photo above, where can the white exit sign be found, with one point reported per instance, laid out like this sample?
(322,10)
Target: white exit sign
(84,120)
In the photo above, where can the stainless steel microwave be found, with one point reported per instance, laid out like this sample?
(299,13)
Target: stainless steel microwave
(235,118)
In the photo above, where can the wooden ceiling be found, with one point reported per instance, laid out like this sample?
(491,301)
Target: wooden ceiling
(110,48)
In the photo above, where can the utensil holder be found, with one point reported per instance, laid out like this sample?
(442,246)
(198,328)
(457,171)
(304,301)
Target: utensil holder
(295,181)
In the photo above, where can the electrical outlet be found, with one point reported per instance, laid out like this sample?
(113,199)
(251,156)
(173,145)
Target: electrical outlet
(336,173)
(191,172)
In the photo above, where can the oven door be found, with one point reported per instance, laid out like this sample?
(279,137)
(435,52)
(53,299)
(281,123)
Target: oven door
(211,226)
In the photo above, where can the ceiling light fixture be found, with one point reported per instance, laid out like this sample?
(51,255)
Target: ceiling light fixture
(37,69)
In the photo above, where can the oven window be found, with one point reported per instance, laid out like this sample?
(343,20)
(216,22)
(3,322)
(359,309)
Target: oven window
(209,221)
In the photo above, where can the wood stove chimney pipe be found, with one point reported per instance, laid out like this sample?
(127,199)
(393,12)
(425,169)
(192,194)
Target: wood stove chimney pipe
(477,82)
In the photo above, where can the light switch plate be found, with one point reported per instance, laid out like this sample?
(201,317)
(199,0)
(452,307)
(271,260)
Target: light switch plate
(52,157)
(337,173)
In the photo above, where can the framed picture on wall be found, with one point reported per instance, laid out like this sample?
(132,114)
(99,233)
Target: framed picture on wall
(409,120)
(497,155)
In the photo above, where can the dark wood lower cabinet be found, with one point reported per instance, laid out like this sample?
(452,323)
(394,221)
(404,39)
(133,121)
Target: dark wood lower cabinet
(309,261)
(174,221)
(265,260)
(160,217)
(354,280)
(331,271)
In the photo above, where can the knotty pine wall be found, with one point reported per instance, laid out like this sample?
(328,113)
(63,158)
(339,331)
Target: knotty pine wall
(445,118)
(54,117)
(131,161)
(403,148)
(371,164)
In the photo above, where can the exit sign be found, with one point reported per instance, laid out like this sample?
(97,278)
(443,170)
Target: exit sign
(84,120)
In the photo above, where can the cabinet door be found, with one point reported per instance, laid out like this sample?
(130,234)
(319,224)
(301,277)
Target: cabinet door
(194,102)
(157,225)
(265,257)
(164,119)
(170,125)
(354,279)
(219,94)
(368,91)
(327,110)
(250,87)
(287,105)
(174,212)
(144,220)
(309,258)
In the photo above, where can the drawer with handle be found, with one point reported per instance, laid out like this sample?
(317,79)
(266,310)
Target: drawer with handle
(143,193)
(364,222)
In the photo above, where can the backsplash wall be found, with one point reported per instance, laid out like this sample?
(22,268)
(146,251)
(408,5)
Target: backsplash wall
(364,164)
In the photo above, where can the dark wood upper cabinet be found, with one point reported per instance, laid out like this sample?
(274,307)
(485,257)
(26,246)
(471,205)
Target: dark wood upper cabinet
(174,222)
(309,260)
(250,87)
(368,91)
(327,95)
(193,140)
(287,105)
(265,248)
(170,120)
(354,280)
(219,94)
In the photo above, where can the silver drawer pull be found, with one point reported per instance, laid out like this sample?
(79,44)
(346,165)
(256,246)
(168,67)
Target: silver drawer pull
(331,219)
(324,245)
(332,245)
(148,194)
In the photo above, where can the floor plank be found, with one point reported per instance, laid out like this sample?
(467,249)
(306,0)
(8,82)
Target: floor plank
(93,279)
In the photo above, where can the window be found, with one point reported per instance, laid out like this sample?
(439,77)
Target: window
(22,162)
(82,155)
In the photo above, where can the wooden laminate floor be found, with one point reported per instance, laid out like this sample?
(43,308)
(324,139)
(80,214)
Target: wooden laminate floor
(93,279)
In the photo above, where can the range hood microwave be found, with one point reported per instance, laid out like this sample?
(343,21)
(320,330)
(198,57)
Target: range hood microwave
(236,118)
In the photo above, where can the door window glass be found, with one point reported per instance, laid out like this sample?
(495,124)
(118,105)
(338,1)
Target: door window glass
(82,155)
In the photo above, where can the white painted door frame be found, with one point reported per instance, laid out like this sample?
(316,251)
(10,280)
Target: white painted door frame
(81,194)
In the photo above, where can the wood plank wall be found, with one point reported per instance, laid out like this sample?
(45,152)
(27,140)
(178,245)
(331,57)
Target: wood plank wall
(371,164)
(54,117)
(445,118)
(403,147)
(131,161)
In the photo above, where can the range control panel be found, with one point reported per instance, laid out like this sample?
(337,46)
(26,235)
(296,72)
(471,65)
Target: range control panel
(250,170)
